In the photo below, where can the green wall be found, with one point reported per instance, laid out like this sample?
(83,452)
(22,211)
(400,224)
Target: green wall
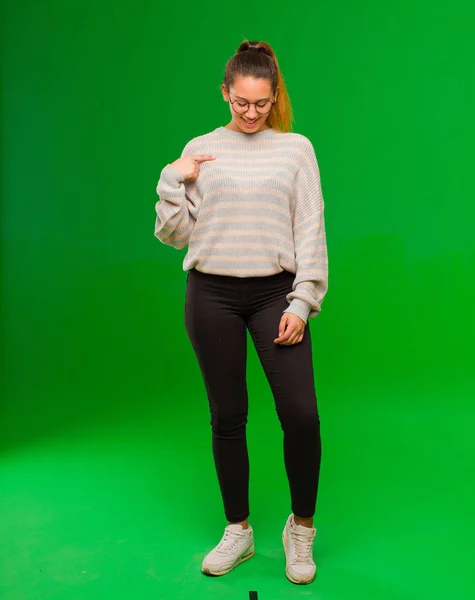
(98,97)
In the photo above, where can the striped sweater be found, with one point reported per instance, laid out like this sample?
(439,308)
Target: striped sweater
(254,211)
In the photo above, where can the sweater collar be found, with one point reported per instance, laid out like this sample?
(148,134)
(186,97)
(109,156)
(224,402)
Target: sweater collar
(229,133)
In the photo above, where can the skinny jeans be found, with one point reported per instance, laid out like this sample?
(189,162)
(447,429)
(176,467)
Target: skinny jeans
(219,310)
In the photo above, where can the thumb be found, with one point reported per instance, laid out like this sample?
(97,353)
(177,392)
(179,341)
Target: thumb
(282,324)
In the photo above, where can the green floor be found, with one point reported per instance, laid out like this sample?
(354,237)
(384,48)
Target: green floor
(127,508)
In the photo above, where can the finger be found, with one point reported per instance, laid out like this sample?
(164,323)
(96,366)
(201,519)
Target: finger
(282,324)
(284,335)
(293,338)
(283,339)
(202,157)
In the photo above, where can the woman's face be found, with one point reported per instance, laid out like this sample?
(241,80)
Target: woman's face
(251,90)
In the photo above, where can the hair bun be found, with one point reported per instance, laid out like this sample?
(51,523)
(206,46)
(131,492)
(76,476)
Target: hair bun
(252,47)
(260,49)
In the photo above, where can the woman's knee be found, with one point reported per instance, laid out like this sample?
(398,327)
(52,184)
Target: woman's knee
(229,427)
(300,421)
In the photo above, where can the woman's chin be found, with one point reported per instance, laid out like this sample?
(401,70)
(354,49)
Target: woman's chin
(251,126)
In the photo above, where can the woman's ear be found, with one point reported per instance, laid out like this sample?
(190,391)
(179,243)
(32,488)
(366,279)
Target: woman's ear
(224,90)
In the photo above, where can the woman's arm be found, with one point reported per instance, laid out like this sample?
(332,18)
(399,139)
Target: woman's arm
(178,206)
(311,281)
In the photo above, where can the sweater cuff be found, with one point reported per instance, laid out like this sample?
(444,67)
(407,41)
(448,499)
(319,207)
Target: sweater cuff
(171,176)
(300,308)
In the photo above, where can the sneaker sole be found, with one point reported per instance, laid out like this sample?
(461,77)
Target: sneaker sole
(249,554)
(287,574)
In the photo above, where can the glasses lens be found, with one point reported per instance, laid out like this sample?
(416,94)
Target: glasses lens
(264,108)
(240,107)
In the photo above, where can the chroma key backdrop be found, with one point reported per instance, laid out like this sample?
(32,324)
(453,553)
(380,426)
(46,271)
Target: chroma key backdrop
(107,484)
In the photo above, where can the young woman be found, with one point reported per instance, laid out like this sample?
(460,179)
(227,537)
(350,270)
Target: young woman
(246,199)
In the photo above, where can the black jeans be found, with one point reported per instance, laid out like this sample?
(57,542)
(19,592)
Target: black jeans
(218,309)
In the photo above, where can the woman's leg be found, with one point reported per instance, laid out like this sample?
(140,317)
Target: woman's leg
(217,332)
(289,370)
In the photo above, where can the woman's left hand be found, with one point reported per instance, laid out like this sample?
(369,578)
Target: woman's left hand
(291,330)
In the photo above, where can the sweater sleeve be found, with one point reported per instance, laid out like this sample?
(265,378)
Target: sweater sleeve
(177,207)
(307,210)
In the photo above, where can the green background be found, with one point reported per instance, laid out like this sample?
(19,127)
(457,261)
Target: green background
(107,485)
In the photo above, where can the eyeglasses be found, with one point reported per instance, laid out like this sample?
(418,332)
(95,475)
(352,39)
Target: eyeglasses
(262,106)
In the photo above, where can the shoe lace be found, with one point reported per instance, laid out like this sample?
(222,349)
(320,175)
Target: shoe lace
(228,542)
(303,546)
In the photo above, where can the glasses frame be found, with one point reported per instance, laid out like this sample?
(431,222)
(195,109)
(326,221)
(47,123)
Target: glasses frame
(249,106)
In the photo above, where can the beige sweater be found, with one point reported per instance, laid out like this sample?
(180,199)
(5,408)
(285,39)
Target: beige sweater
(254,211)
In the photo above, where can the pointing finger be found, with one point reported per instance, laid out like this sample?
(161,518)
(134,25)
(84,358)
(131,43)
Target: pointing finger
(202,157)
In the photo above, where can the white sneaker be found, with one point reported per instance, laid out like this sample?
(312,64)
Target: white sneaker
(298,543)
(236,546)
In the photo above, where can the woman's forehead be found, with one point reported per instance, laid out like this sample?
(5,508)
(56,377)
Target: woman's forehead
(251,88)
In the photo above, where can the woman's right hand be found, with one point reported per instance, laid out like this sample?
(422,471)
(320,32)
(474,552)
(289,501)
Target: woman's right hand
(189,166)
